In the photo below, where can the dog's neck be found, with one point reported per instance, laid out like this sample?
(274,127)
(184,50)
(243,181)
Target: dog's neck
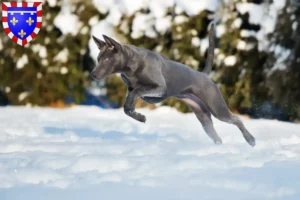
(131,55)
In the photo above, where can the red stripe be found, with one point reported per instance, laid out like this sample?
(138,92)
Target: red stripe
(39,13)
(24,42)
(4,7)
(4,19)
(24,4)
(33,35)
(39,24)
(7,30)
(13,4)
(36,4)
(15,39)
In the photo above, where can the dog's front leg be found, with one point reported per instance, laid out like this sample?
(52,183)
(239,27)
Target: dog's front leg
(131,98)
(129,105)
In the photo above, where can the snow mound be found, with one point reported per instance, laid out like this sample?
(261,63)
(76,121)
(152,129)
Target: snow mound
(87,150)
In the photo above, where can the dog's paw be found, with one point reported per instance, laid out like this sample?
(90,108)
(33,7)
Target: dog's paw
(127,111)
(250,139)
(139,117)
(218,141)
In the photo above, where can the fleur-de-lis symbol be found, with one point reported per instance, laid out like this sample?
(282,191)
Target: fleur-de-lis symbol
(14,21)
(22,33)
(29,21)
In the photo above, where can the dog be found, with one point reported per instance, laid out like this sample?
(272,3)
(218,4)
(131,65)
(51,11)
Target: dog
(154,78)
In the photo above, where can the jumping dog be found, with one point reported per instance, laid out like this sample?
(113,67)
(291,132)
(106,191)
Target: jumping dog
(154,78)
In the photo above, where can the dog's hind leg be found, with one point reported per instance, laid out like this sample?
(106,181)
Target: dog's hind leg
(213,100)
(237,121)
(203,115)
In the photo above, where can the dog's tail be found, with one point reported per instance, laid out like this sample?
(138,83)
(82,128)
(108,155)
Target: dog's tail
(210,55)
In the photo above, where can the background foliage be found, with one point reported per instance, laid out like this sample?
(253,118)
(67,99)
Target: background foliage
(257,71)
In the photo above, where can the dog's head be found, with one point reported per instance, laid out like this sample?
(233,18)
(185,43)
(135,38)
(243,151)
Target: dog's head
(110,59)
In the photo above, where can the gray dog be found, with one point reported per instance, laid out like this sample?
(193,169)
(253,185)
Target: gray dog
(155,78)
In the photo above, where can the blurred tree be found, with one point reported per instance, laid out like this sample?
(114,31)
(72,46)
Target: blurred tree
(239,69)
(283,75)
(254,68)
(50,68)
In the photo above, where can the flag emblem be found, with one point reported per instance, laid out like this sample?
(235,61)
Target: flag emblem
(22,20)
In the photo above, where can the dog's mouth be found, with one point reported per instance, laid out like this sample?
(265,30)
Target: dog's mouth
(94,77)
(97,76)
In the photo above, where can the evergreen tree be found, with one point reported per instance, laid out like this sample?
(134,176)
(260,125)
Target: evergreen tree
(252,66)
(283,76)
(239,68)
(49,68)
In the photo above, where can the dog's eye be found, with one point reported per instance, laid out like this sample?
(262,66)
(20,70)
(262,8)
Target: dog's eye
(111,48)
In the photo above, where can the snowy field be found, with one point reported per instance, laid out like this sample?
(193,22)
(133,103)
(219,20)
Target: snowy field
(90,153)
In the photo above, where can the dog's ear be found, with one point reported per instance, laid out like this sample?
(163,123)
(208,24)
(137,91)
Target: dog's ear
(99,43)
(112,43)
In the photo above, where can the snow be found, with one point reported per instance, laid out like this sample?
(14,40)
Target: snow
(230,61)
(163,24)
(64,70)
(114,16)
(143,24)
(159,8)
(237,23)
(194,7)
(23,95)
(22,61)
(101,28)
(66,21)
(264,15)
(39,75)
(256,11)
(129,7)
(279,4)
(140,24)
(282,54)
(246,33)
(196,41)
(44,62)
(42,51)
(241,45)
(103,6)
(88,152)
(294,26)
(180,19)
(62,56)
(204,44)
(93,21)
(7,89)
(84,30)
(1,45)
(52,3)
(220,30)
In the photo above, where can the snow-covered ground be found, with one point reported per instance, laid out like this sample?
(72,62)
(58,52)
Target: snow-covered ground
(90,153)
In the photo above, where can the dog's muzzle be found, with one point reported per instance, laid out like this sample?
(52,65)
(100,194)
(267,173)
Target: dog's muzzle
(93,75)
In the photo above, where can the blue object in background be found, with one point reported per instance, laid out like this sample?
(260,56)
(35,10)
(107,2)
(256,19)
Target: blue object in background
(94,100)
(91,100)
(101,101)
(3,99)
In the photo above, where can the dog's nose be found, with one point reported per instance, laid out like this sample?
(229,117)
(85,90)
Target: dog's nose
(93,75)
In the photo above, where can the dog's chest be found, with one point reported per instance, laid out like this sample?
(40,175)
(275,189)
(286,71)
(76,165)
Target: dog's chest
(126,80)
(131,82)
